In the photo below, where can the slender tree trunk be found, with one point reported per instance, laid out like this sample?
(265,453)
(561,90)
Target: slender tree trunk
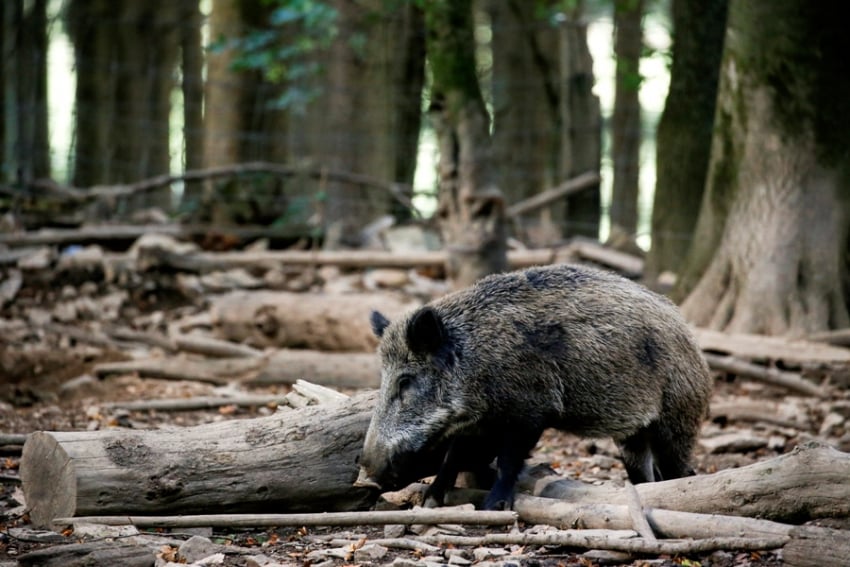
(347,207)
(685,130)
(241,121)
(26,152)
(222,88)
(95,57)
(471,207)
(581,126)
(126,52)
(526,109)
(375,73)
(192,64)
(770,246)
(147,40)
(626,123)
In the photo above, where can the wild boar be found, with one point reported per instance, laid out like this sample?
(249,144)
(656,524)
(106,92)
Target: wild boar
(479,374)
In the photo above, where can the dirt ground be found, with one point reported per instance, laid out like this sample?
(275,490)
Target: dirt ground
(46,384)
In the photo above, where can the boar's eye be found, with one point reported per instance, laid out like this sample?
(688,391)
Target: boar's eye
(404,383)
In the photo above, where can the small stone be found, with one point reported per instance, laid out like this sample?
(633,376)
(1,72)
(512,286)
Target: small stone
(459,560)
(482,553)
(605,557)
(394,530)
(405,562)
(196,548)
(261,560)
(370,552)
(101,531)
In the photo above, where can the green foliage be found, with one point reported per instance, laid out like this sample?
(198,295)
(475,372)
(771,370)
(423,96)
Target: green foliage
(281,50)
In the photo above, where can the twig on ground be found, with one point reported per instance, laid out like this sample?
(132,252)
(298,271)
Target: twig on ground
(636,512)
(415,516)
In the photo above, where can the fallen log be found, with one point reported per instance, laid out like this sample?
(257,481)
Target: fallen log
(782,414)
(540,200)
(91,553)
(312,321)
(760,347)
(210,346)
(296,461)
(810,482)
(838,337)
(198,403)
(218,371)
(773,376)
(338,369)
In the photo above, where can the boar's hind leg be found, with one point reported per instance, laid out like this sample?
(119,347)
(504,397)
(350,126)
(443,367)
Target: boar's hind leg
(637,456)
(515,449)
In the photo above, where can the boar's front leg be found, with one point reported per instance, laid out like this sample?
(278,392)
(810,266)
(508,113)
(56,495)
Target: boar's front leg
(509,463)
(464,454)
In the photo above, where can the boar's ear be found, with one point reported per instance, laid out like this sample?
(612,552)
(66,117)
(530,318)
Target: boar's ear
(425,331)
(379,323)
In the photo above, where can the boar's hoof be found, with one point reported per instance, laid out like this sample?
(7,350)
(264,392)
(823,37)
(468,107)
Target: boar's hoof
(365,481)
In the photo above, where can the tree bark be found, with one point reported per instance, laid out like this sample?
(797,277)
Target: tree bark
(684,131)
(771,240)
(222,89)
(23,100)
(526,110)
(808,483)
(295,461)
(372,102)
(626,123)
(581,126)
(471,209)
(192,87)
(123,90)
(323,322)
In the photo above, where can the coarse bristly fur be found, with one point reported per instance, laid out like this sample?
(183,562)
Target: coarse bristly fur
(479,374)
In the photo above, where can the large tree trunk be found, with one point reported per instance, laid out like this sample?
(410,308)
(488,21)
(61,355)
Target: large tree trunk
(526,111)
(126,53)
(148,44)
(471,208)
(292,461)
(23,91)
(769,253)
(241,121)
(581,126)
(626,123)
(372,99)
(546,124)
(684,131)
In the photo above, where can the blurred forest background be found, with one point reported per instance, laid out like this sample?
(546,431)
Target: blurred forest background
(327,118)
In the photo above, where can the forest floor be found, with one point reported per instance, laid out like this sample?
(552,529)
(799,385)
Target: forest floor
(47,383)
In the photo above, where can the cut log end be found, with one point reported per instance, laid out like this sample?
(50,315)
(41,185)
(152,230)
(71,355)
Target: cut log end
(48,479)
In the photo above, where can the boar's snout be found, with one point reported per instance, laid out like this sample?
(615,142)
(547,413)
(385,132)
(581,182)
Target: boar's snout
(374,462)
(364,480)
